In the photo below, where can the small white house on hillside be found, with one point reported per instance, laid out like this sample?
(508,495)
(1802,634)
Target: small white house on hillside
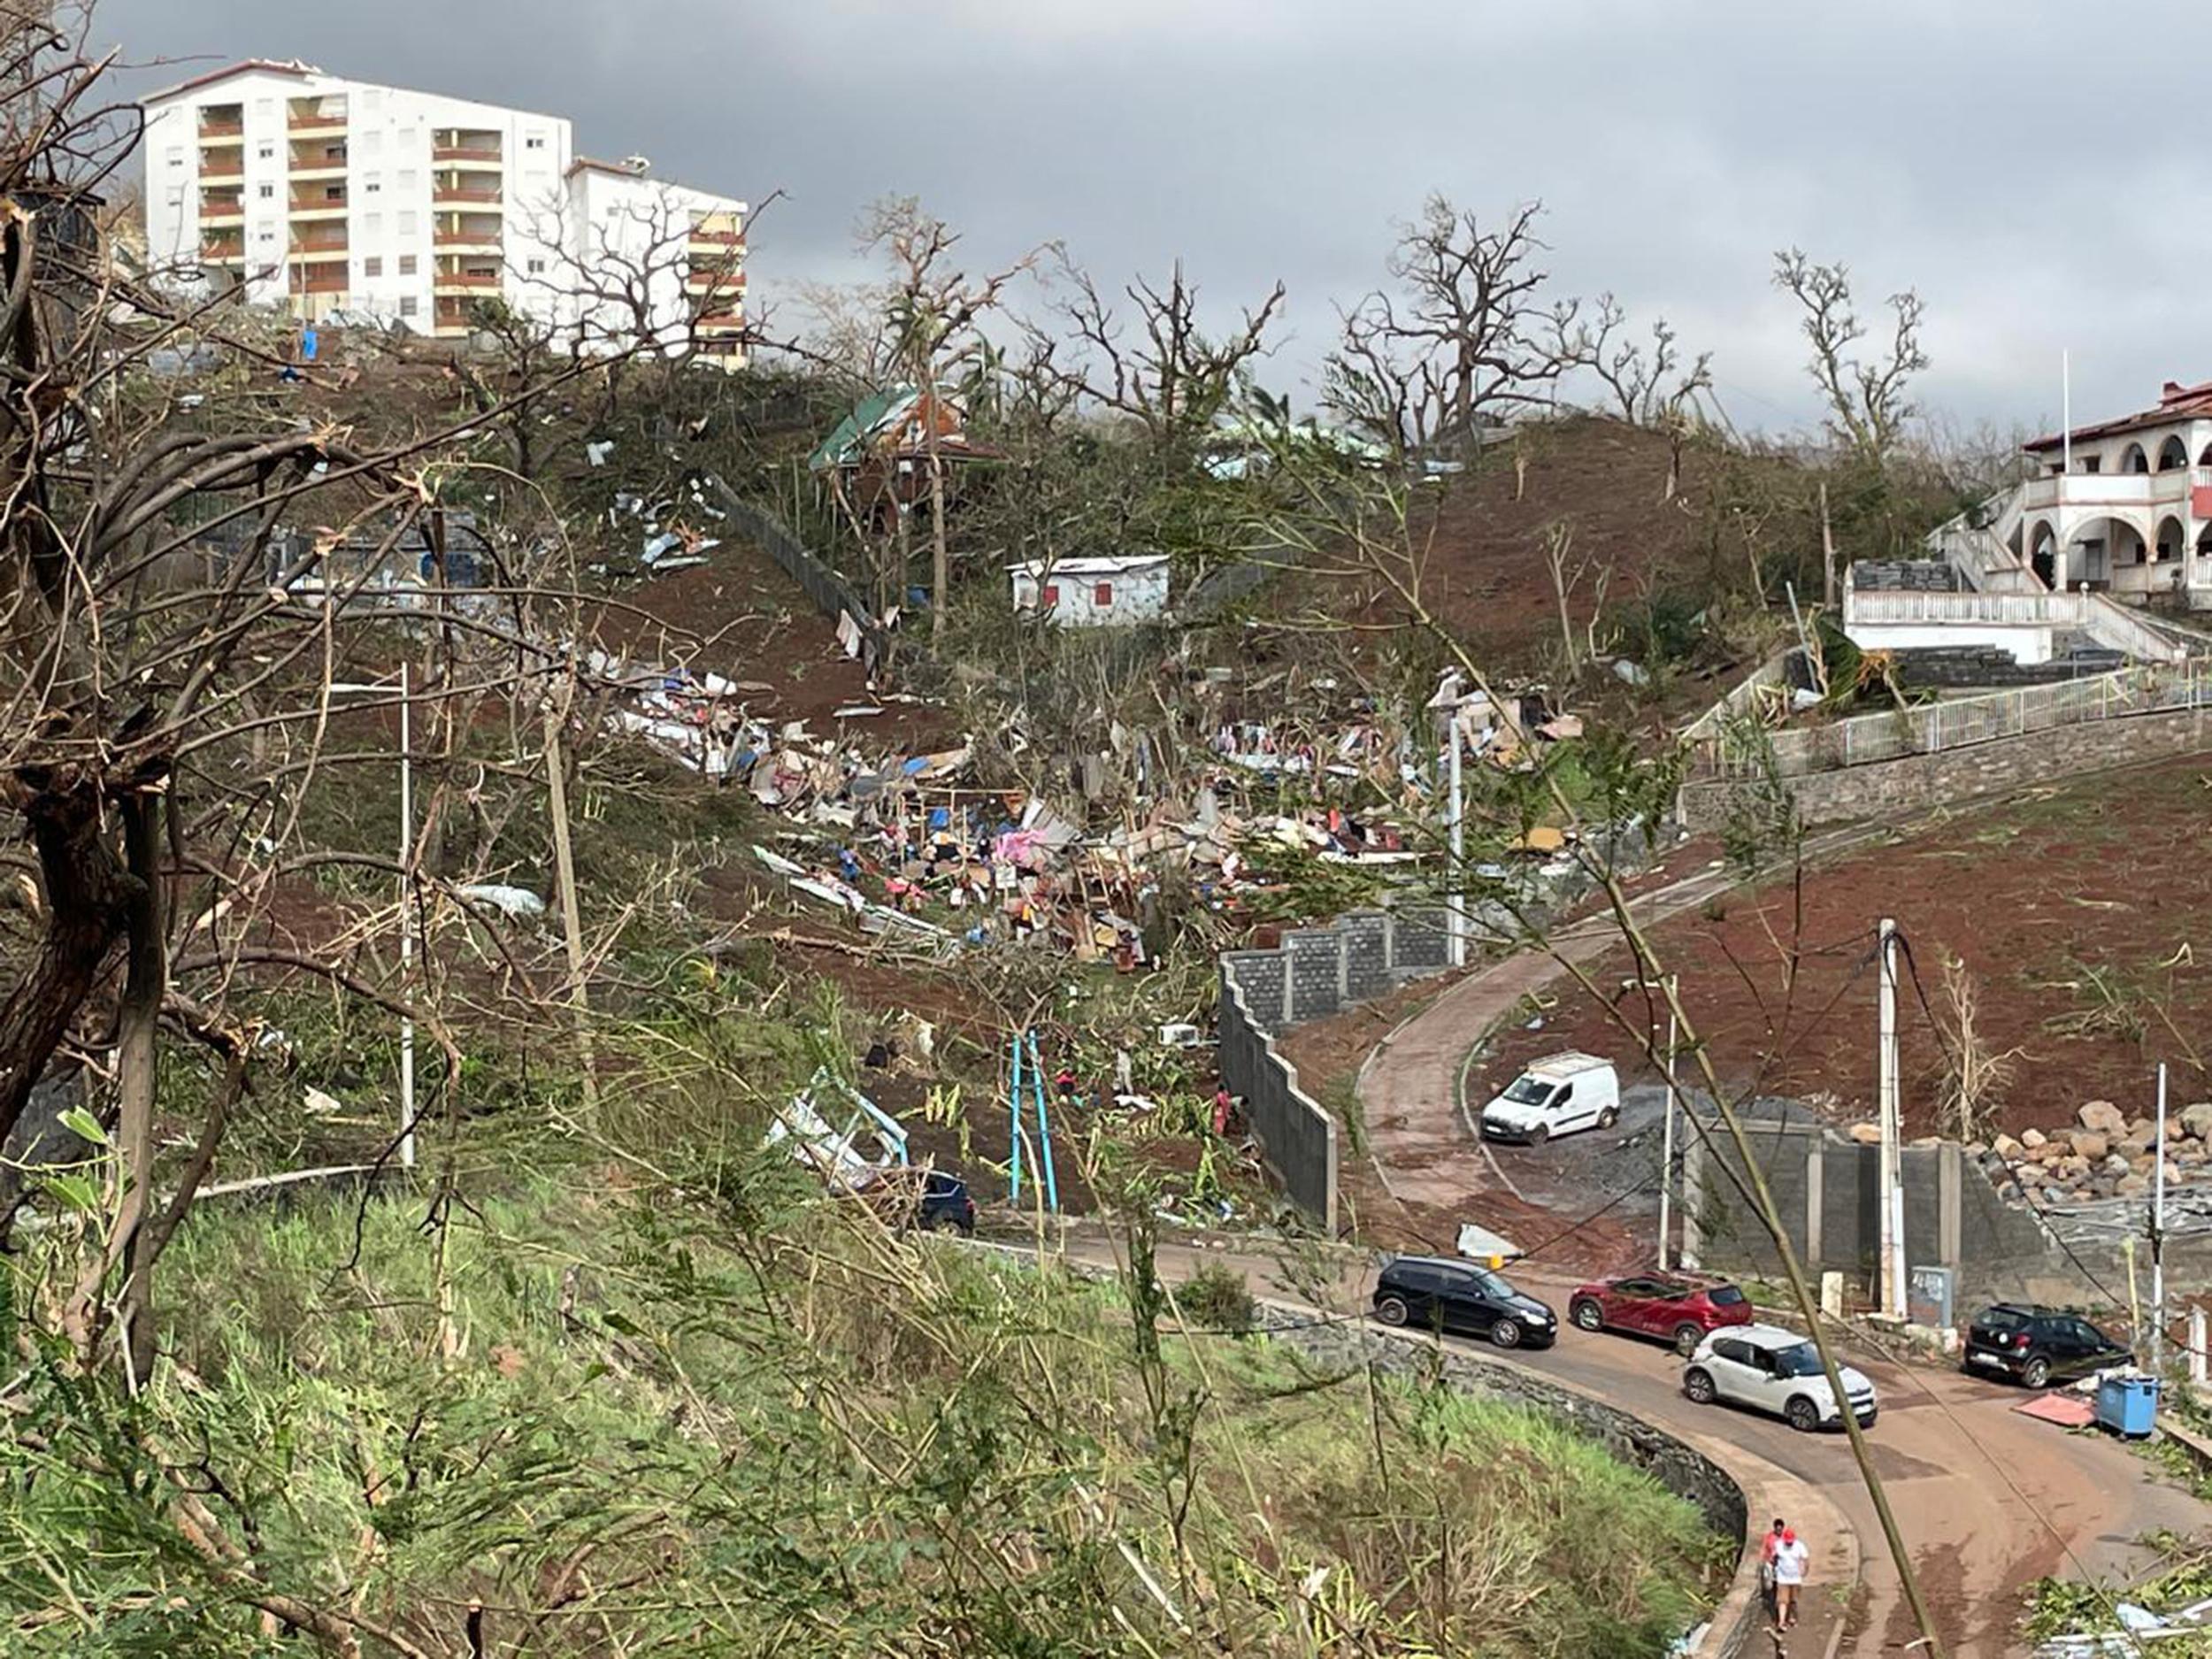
(1114,592)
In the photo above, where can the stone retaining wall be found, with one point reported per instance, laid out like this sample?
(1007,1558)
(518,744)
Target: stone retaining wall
(1882,789)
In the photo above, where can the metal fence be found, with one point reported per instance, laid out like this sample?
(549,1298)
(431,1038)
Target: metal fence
(831,593)
(1959,723)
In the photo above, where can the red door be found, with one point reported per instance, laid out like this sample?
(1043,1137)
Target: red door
(1633,1305)
(1675,1305)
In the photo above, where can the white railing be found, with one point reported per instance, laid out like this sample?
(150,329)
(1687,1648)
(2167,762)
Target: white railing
(1931,728)
(1876,606)
(2114,626)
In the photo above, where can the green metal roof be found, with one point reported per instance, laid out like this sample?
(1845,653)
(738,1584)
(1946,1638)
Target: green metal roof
(847,444)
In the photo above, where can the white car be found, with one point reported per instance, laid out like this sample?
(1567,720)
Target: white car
(1777,1372)
(1554,1097)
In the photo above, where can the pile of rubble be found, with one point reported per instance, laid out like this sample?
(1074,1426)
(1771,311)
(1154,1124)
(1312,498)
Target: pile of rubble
(2106,1155)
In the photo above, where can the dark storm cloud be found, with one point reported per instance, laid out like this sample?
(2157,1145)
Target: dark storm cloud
(2014,163)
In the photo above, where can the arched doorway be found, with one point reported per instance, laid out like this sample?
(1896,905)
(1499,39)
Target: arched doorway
(2132,459)
(2173,455)
(2043,554)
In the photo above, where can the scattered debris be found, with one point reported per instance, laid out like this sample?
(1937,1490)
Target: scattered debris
(515,904)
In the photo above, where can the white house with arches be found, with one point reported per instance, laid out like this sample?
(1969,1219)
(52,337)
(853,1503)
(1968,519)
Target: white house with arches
(2125,506)
(2115,520)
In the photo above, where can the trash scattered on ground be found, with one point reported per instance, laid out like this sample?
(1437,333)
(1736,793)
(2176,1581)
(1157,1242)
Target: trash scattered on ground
(835,1152)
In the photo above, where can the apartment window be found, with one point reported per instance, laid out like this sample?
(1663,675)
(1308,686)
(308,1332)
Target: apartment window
(407,305)
(370,187)
(176,196)
(537,267)
(408,180)
(267,192)
(337,192)
(265,109)
(372,224)
(264,152)
(1052,595)
(372,265)
(535,141)
(1103,595)
(176,156)
(371,143)
(2092,463)
(267,233)
(407,224)
(407,264)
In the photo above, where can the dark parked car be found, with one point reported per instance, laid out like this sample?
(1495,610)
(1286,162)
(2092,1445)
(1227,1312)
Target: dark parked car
(1438,1294)
(1677,1308)
(945,1205)
(2036,1346)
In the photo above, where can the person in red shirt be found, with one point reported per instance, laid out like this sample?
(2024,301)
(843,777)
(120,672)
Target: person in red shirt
(1768,1545)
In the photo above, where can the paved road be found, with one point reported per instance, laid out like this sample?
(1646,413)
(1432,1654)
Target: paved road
(1987,1499)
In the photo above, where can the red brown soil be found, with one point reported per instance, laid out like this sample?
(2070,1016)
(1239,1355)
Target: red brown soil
(738,615)
(1481,536)
(2106,875)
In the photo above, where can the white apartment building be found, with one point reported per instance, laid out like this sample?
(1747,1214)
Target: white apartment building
(340,197)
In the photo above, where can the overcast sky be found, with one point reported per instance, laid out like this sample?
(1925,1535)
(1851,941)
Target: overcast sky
(2034,174)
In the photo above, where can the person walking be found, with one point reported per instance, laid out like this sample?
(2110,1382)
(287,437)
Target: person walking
(1768,1545)
(1790,1556)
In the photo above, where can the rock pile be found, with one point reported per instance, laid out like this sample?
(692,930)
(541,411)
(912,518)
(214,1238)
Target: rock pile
(2106,1155)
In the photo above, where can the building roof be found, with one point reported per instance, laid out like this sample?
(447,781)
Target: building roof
(592,164)
(2175,402)
(1105,564)
(889,422)
(244,67)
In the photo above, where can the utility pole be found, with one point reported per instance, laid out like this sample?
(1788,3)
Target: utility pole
(1666,1137)
(1893,1188)
(2158,1231)
(1448,702)
(406,915)
(558,698)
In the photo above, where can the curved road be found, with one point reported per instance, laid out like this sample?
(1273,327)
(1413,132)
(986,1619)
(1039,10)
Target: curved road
(1987,1499)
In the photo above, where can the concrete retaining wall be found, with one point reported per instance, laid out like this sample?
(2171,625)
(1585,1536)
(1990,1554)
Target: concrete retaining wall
(1825,1185)
(1884,787)
(1313,973)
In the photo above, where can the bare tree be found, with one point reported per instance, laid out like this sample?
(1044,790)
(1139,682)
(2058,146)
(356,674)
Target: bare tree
(1466,336)
(934,333)
(1172,377)
(1868,398)
(1650,388)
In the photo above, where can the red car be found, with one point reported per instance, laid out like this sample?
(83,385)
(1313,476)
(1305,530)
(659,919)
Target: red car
(1671,1306)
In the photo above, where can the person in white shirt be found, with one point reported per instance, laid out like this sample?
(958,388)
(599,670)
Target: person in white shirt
(1789,1576)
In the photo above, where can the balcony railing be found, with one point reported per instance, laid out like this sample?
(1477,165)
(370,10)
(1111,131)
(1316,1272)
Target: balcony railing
(222,212)
(719,238)
(488,237)
(319,285)
(465,283)
(465,152)
(210,131)
(222,252)
(444,193)
(234,168)
(315,121)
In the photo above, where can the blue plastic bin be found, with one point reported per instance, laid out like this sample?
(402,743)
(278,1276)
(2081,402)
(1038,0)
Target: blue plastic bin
(2128,1405)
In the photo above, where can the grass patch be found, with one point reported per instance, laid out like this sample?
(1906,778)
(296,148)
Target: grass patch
(892,1445)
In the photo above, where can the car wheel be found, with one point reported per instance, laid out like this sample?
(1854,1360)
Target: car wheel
(1803,1415)
(942,1224)
(1391,1310)
(1588,1316)
(1506,1333)
(1687,1337)
(1611,1115)
(2037,1372)
(1538,1136)
(1699,1386)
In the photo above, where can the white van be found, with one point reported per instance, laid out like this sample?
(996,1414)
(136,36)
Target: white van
(1555,1097)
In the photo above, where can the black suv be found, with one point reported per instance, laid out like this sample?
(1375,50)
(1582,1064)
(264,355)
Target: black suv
(1438,1294)
(945,1206)
(2035,1345)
